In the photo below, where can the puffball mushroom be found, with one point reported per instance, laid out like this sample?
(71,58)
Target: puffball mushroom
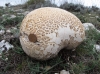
(45,31)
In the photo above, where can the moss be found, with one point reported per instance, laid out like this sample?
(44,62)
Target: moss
(33,2)
(11,21)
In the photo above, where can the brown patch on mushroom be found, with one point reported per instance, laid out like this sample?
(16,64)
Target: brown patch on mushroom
(32,38)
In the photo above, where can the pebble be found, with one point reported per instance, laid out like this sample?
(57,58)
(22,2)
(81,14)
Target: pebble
(8,45)
(47,67)
(6,59)
(8,31)
(14,28)
(89,25)
(64,72)
(97,47)
(4,44)
(89,14)
(12,16)
(56,73)
(97,16)
(2,32)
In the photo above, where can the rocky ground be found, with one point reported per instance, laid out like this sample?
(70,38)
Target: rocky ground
(14,61)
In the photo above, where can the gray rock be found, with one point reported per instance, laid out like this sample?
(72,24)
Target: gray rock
(3,45)
(87,26)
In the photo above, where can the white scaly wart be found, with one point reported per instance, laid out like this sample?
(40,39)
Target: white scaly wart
(45,31)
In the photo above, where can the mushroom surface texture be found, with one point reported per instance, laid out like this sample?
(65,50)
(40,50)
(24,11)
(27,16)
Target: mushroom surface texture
(45,31)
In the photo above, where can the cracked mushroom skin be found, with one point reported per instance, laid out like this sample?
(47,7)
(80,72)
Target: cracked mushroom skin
(45,31)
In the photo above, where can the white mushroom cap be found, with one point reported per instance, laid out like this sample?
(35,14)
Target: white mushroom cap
(45,31)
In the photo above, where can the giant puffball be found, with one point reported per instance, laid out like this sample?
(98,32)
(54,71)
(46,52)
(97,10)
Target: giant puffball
(45,31)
